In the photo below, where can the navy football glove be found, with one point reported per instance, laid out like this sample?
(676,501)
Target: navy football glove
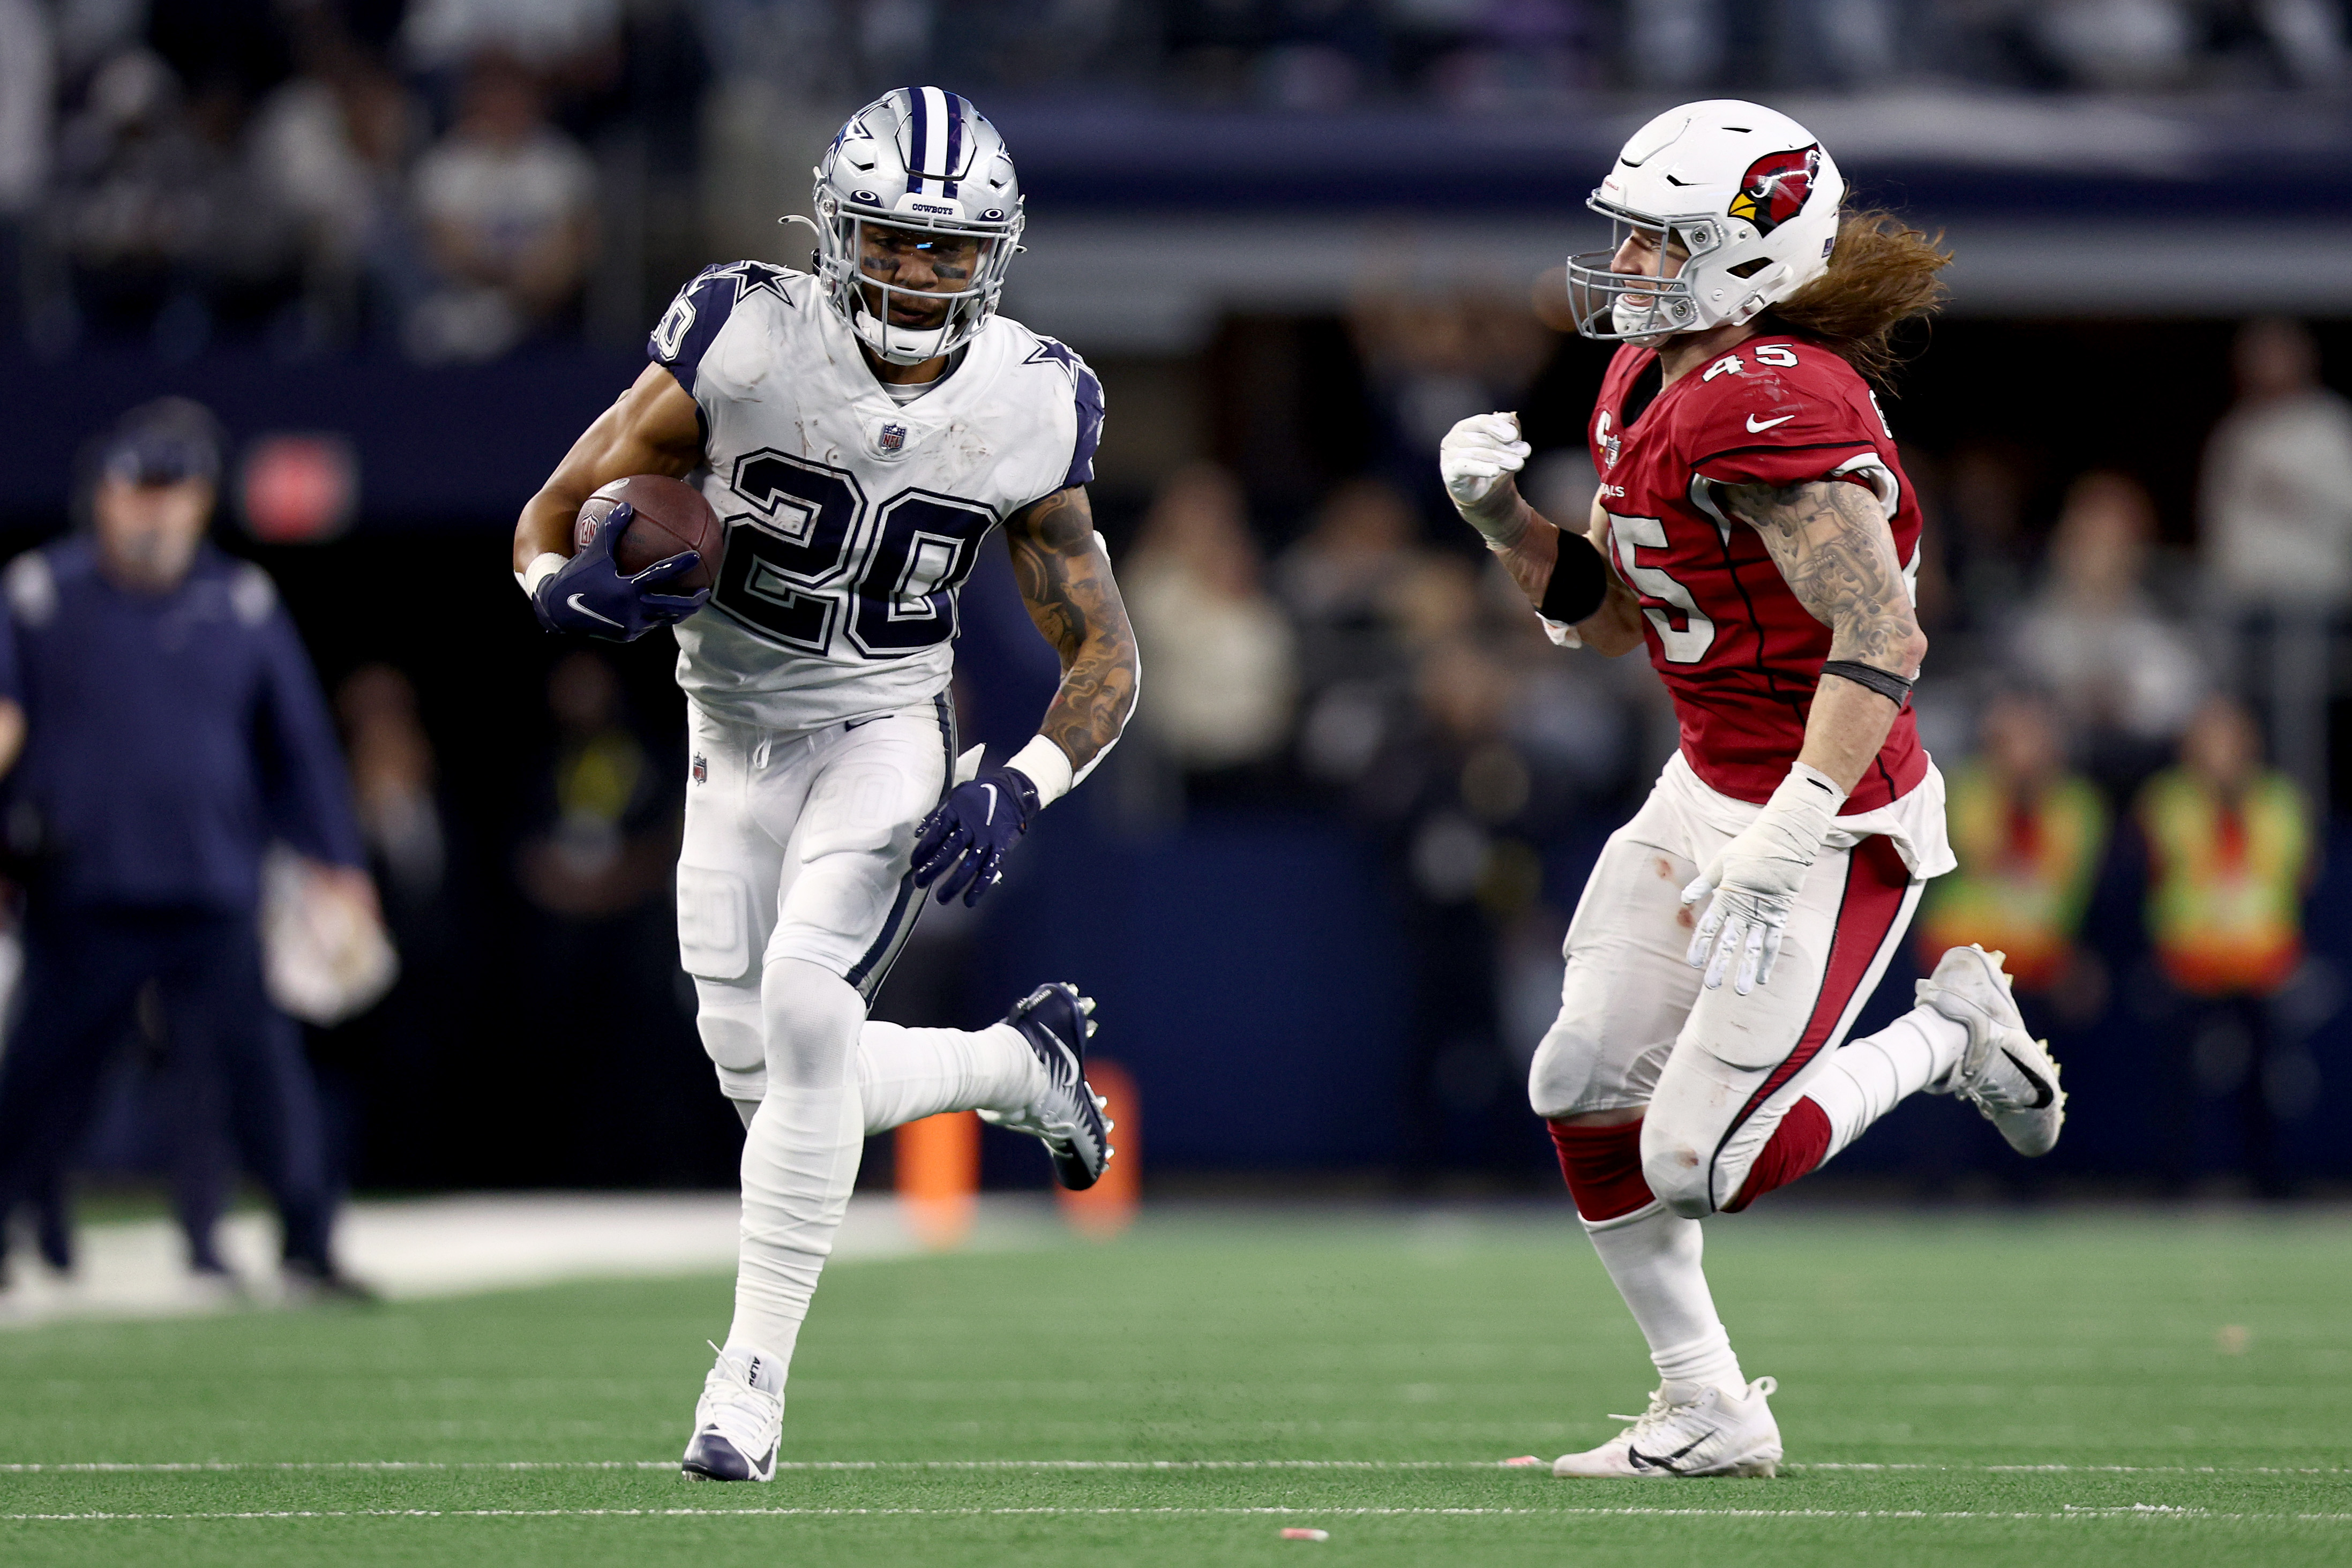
(961,844)
(589,594)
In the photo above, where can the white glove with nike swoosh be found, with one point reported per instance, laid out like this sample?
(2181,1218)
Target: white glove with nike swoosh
(1476,460)
(1754,879)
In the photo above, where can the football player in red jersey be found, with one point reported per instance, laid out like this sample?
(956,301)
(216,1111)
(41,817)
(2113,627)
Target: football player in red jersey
(1753,528)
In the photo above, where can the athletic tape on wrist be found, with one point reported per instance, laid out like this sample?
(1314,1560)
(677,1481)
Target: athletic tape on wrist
(1047,765)
(1810,781)
(1501,518)
(1886,683)
(543,566)
(1580,581)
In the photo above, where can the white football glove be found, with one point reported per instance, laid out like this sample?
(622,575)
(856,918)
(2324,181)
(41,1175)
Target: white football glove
(1754,879)
(1476,460)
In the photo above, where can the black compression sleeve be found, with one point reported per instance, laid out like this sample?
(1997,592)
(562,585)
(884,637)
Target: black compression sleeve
(1580,581)
(1886,683)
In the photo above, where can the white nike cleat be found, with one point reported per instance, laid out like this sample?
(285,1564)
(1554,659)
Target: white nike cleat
(1689,1429)
(2005,1073)
(739,1421)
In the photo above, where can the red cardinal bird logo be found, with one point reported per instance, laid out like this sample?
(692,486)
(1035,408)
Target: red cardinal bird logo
(1774,187)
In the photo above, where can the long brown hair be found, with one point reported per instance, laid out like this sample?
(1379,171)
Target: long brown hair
(1881,274)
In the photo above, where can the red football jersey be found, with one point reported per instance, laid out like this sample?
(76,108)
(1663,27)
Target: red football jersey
(1739,653)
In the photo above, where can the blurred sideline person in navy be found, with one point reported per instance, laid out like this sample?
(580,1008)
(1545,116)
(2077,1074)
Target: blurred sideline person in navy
(174,728)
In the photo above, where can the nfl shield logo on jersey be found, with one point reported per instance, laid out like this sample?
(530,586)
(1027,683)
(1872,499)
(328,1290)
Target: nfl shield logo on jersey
(892,439)
(701,769)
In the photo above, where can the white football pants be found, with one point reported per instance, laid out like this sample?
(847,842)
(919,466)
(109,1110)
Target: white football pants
(797,846)
(1716,1070)
(795,896)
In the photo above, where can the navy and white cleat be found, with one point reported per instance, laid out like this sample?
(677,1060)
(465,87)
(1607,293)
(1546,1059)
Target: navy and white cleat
(739,1422)
(1068,1116)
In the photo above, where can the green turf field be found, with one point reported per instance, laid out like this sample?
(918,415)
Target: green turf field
(2029,1390)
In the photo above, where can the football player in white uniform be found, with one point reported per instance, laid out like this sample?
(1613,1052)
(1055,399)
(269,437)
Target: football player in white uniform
(859,429)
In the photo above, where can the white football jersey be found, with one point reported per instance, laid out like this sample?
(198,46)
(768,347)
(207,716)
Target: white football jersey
(851,520)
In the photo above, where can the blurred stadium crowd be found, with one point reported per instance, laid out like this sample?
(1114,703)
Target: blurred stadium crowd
(448,179)
(1373,786)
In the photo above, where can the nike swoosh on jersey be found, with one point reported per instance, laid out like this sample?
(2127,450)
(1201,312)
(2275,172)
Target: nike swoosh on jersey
(1755,429)
(575,602)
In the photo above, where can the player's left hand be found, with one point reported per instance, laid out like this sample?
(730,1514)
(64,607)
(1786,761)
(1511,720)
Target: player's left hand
(1754,879)
(1739,934)
(962,843)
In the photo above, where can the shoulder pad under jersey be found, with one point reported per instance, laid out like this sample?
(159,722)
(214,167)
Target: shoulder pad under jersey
(1086,391)
(686,329)
(1775,412)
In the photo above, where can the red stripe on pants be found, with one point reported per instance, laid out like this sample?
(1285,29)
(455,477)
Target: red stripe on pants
(1876,882)
(1797,1145)
(1603,1167)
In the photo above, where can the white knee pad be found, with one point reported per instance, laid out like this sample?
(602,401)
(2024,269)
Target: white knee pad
(812,1016)
(1676,1164)
(734,1036)
(1561,1072)
(1584,1064)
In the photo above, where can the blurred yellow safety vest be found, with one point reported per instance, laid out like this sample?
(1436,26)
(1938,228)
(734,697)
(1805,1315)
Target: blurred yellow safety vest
(2027,865)
(2225,894)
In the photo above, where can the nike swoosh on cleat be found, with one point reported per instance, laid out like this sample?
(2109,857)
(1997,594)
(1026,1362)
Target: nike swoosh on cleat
(1667,1463)
(2041,1085)
(575,602)
(1754,428)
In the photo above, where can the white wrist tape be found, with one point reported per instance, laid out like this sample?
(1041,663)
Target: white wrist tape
(542,566)
(1047,765)
(1800,814)
(1500,515)
(1562,633)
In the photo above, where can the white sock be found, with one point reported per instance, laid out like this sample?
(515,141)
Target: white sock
(907,1074)
(799,1153)
(1654,1259)
(800,1161)
(1868,1078)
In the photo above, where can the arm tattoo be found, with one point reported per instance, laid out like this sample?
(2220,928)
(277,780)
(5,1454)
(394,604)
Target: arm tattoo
(1067,584)
(1831,542)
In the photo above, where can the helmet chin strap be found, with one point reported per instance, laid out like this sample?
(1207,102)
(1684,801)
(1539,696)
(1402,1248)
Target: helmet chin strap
(878,334)
(1627,317)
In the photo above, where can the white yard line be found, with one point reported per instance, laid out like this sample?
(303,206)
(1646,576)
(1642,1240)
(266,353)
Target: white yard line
(460,1245)
(2135,1510)
(205,1466)
(2098,1469)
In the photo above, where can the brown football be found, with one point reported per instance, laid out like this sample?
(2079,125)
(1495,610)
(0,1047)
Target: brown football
(671,515)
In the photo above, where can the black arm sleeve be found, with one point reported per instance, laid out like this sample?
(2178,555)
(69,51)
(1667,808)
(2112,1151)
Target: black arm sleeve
(1580,581)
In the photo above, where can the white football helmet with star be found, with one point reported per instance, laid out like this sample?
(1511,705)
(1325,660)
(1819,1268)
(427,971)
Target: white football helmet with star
(922,159)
